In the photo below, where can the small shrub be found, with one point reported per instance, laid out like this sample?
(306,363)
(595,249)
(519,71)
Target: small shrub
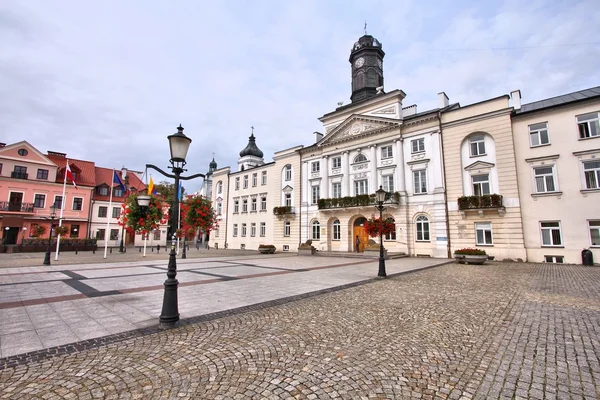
(470,252)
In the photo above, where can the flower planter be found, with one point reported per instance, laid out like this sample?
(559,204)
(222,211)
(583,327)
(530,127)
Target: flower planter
(470,259)
(266,250)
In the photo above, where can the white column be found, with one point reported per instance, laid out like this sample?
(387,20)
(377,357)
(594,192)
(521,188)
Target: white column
(325,180)
(305,183)
(400,167)
(346,175)
(374,184)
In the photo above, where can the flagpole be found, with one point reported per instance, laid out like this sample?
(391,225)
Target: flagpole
(109,214)
(60,218)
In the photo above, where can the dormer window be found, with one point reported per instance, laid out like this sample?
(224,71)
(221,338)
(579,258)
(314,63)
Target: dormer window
(103,191)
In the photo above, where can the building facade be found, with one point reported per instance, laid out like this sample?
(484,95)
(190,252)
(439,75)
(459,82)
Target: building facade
(557,147)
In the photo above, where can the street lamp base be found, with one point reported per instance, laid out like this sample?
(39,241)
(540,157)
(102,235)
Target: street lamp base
(381,272)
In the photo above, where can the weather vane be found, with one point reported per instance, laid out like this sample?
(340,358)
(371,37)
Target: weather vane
(252,129)
(365,27)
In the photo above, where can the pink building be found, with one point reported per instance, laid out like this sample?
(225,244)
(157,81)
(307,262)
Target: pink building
(30,182)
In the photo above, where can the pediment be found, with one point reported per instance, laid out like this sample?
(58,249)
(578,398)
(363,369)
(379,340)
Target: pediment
(33,154)
(287,189)
(479,165)
(356,126)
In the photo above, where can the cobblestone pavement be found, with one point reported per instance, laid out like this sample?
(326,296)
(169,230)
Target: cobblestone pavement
(452,332)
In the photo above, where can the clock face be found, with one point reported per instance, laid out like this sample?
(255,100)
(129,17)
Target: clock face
(359,62)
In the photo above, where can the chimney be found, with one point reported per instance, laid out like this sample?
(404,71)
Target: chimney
(515,95)
(443,100)
(318,136)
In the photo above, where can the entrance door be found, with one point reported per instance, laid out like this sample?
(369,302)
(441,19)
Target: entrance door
(15,201)
(10,235)
(359,231)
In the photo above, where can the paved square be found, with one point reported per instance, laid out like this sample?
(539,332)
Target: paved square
(509,331)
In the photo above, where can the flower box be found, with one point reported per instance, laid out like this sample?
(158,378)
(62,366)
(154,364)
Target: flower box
(266,249)
(470,256)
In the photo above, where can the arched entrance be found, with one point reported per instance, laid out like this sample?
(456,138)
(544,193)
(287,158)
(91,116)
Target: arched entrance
(359,230)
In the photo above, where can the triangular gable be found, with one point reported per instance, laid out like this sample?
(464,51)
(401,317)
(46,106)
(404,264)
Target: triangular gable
(287,189)
(479,165)
(356,126)
(33,156)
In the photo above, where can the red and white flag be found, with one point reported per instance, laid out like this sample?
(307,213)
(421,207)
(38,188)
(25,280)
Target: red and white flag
(69,175)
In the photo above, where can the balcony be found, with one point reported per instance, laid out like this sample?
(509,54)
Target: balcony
(19,175)
(362,200)
(481,203)
(283,211)
(16,207)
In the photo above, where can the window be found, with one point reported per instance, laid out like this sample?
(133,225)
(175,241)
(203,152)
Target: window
(253,229)
(103,191)
(477,145)
(117,192)
(114,234)
(254,179)
(102,211)
(157,234)
(594,232)
(337,231)
(287,228)
(243,230)
(74,231)
(219,187)
(264,178)
(422,228)
(288,199)
(236,206)
(263,229)
(263,203)
(42,174)
(554,259)
(360,158)
(544,179)
(100,234)
(551,235)
(388,183)
(288,172)
(19,172)
(481,184)
(392,235)
(483,233)
(286,247)
(219,208)
(336,162)
(315,194)
(361,187)
(592,174)
(589,125)
(242,246)
(336,190)
(245,181)
(237,183)
(39,201)
(22,152)
(417,145)
(254,204)
(217,231)
(245,205)
(77,203)
(538,134)
(315,167)
(420,181)
(316,230)
(235,229)
(116,213)
(386,152)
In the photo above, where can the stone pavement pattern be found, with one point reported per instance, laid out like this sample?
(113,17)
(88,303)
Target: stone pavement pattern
(455,331)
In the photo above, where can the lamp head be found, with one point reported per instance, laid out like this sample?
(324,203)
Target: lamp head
(53,208)
(380,194)
(179,144)
(143,200)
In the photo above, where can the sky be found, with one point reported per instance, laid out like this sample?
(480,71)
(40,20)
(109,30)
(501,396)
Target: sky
(109,81)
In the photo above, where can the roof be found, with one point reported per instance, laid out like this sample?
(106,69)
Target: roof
(104,176)
(251,148)
(561,100)
(86,175)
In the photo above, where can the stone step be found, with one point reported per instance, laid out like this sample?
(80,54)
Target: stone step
(345,254)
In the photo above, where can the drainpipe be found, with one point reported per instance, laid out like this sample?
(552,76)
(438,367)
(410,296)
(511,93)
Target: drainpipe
(227,210)
(439,116)
(92,202)
(300,204)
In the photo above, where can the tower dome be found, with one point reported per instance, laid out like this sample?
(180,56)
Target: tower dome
(213,165)
(366,59)
(251,149)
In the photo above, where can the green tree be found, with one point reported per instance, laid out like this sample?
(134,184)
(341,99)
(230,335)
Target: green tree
(167,189)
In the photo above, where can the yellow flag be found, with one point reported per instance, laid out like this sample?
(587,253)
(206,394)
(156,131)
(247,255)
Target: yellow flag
(151,186)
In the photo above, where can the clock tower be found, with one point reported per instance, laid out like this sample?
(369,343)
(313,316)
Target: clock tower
(366,60)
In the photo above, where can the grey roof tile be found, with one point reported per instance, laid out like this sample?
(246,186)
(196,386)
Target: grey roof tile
(580,95)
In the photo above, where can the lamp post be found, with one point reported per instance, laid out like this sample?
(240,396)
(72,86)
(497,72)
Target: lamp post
(380,195)
(179,145)
(121,249)
(52,216)
(6,229)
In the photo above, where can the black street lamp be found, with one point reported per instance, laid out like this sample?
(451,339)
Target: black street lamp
(380,196)
(49,249)
(179,145)
(121,249)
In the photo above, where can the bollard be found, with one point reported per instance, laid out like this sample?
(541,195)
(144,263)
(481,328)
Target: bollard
(140,249)
(152,249)
(111,250)
(93,251)
(158,248)
(75,250)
